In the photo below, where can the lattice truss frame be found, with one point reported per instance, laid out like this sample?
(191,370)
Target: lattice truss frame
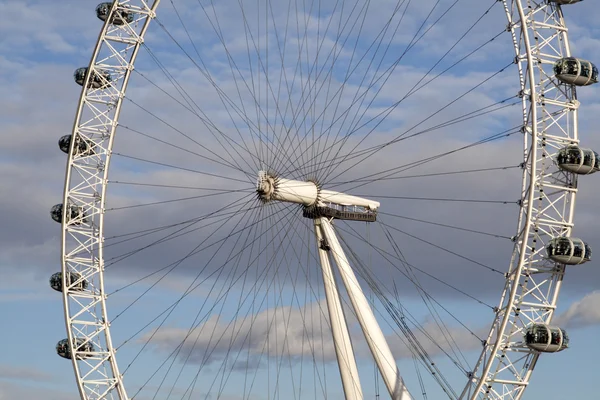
(548,198)
(550,110)
(85,187)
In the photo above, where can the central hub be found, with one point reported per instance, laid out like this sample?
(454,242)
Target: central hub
(270,187)
(317,202)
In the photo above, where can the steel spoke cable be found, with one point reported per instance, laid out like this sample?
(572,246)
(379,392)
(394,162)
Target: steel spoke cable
(471,115)
(341,29)
(174,265)
(295,115)
(178,233)
(342,24)
(443,249)
(428,175)
(231,274)
(278,301)
(446,226)
(414,345)
(374,195)
(270,263)
(400,137)
(388,71)
(389,110)
(158,185)
(216,26)
(480,112)
(388,256)
(375,82)
(305,115)
(159,202)
(191,106)
(390,172)
(232,62)
(173,235)
(442,326)
(222,95)
(162,120)
(237,167)
(131,235)
(339,92)
(192,287)
(415,89)
(179,168)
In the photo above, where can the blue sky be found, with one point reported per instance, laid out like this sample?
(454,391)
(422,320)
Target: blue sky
(40,49)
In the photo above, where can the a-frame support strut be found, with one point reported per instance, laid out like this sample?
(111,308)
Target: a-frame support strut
(318,202)
(372,331)
(339,328)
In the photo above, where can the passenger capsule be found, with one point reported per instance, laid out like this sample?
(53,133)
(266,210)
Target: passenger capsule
(76,282)
(576,71)
(546,339)
(82,146)
(568,250)
(84,348)
(577,160)
(564,2)
(120,17)
(98,80)
(75,213)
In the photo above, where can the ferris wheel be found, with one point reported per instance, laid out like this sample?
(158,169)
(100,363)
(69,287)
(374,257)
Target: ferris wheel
(306,199)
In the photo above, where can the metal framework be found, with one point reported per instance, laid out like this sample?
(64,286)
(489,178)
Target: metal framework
(547,202)
(86,317)
(532,283)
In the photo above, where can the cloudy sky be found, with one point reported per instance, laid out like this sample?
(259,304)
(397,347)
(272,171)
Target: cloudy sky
(213,293)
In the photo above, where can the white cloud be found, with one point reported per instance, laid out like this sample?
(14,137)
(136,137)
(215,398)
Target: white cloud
(582,313)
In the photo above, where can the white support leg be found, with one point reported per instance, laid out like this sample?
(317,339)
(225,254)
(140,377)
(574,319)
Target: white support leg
(373,334)
(339,328)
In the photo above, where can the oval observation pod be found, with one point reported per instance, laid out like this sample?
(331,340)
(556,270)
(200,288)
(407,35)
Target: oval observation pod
(570,251)
(76,282)
(577,160)
(82,146)
(546,339)
(83,348)
(119,17)
(98,80)
(563,2)
(75,213)
(576,71)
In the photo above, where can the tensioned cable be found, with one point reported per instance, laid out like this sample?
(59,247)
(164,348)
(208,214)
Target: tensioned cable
(193,286)
(414,346)
(468,55)
(232,272)
(162,120)
(414,89)
(390,109)
(443,248)
(159,202)
(402,168)
(217,216)
(474,114)
(179,168)
(386,254)
(169,237)
(174,265)
(446,226)
(427,175)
